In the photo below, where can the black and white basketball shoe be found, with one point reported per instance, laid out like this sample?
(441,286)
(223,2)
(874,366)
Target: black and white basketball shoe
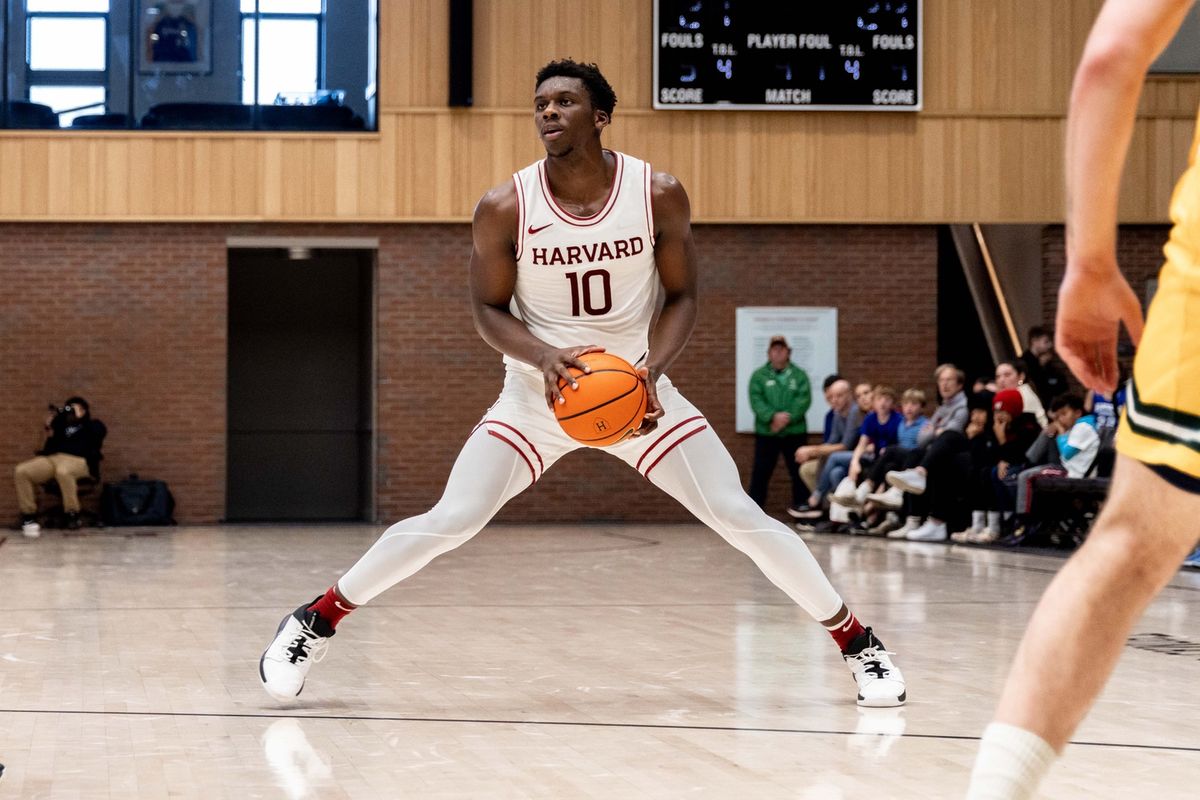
(880,683)
(300,642)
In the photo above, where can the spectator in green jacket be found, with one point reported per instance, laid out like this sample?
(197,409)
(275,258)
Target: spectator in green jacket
(780,396)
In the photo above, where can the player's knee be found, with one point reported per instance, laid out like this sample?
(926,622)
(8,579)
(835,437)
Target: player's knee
(736,512)
(457,519)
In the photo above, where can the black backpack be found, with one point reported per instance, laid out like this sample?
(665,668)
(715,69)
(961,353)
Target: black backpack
(137,502)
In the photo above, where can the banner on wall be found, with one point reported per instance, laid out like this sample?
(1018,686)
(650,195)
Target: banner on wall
(811,332)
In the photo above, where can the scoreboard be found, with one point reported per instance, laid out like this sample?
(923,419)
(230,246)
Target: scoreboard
(820,55)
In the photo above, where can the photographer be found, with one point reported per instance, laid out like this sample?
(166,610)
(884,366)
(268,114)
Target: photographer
(71,452)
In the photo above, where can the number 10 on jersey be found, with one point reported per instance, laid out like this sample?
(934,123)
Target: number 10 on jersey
(586,285)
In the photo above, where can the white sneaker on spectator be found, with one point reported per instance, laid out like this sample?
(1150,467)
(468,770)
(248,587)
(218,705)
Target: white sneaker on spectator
(931,531)
(890,522)
(844,494)
(860,493)
(30,528)
(892,499)
(910,525)
(978,523)
(985,536)
(907,480)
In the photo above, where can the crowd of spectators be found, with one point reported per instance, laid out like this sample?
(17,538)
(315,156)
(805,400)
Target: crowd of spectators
(967,470)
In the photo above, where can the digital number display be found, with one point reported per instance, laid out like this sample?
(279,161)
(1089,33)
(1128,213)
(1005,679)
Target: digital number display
(846,55)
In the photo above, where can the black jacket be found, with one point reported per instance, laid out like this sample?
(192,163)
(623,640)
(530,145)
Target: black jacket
(77,437)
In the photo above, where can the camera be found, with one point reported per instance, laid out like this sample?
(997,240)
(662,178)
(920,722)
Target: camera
(68,411)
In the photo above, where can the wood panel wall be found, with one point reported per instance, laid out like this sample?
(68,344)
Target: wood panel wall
(987,147)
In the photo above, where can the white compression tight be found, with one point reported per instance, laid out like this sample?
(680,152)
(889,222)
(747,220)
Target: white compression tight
(699,473)
(487,474)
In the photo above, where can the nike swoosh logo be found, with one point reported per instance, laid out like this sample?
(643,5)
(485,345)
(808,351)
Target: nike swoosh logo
(533,230)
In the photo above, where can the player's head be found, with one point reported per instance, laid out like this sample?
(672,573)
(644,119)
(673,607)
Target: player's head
(572,104)
(778,352)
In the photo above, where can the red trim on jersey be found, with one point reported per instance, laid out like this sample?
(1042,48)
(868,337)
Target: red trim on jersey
(674,444)
(657,441)
(584,222)
(512,444)
(541,463)
(649,201)
(520,216)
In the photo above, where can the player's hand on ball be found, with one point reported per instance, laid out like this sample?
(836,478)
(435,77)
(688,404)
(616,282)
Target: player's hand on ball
(556,365)
(654,409)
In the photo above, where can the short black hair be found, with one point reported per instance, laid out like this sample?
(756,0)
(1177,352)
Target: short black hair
(1064,400)
(602,94)
(830,380)
(1037,332)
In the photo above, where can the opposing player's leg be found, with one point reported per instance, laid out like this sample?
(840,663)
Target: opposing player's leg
(1081,624)
(690,463)
(492,468)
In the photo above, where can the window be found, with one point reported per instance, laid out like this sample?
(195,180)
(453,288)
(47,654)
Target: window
(66,55)
(281,48)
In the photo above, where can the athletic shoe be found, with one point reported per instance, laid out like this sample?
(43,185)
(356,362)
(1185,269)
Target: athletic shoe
(910,525)
(880,684)
(1193,560)
(300,641)
(890,522)
(985,536)
(891,498)
(799,512)
(71,521)
(807,513)
(929,532)
(907,480)
(30,528)
(845,494)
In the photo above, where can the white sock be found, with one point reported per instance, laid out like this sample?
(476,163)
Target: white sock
(977,520)
(1010,764)
(993,521)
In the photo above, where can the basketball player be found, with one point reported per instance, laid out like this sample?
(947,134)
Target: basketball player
(571,257)
(1149,522)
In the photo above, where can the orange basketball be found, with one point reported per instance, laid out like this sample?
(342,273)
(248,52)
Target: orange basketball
(609,403)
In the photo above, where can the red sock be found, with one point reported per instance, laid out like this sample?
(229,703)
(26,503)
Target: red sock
(845,630)
(332,607)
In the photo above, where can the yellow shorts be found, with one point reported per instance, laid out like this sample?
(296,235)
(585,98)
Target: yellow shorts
(1161,424)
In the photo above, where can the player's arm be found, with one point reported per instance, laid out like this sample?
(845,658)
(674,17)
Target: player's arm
(675,256)
(1095,298)
(493,278)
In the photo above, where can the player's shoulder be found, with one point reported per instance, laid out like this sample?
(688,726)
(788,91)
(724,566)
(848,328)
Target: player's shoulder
(498,205)
(669,197)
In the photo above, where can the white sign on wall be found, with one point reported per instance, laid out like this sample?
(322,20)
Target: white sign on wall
(812,334)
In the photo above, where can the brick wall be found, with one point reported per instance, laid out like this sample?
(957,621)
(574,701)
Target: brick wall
(134,318)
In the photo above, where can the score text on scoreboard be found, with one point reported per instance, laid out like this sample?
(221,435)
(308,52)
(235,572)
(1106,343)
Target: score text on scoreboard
(819,55)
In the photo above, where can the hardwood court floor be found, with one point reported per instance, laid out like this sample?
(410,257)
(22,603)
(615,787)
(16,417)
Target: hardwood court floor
(593,662)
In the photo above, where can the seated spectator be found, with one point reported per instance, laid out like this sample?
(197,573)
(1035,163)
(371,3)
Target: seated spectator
(864,395)
(880,514)
(1011,375)
(1078,440)
(814,459)
(1015,432)
(934,446)
(1042,365)
(913,419)
(71,451)
(879,433)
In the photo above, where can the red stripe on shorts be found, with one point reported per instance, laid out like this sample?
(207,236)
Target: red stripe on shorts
(638,466)
(674,444)
(513,445)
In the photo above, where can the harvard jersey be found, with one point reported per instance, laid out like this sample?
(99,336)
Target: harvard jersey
(587,280)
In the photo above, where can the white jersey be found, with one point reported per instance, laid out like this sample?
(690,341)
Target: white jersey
(587,280)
